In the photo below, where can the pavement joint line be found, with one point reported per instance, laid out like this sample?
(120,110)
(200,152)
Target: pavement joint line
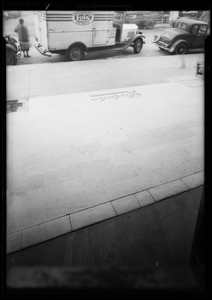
(137,199)
(108,202)
(21,239)
(185,183)
(153,197)
(192,174)
(69,216)
(114,208)
(41,223)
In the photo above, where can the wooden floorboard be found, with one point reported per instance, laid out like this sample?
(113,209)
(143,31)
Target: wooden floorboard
(156,235)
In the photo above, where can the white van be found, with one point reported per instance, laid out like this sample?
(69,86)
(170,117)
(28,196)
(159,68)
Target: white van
(78,32)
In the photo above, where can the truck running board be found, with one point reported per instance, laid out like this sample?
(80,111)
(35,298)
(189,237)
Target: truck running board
(116,48)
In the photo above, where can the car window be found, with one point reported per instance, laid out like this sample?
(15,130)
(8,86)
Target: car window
(194,29)
(182,26)
(203,29)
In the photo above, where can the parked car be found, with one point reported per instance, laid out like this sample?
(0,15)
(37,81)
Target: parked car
(12,50)
(186,35)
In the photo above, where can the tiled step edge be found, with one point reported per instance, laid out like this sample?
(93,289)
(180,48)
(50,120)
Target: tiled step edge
(71,222)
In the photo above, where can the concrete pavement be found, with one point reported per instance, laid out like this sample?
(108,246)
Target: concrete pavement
(80,158)
(29,81)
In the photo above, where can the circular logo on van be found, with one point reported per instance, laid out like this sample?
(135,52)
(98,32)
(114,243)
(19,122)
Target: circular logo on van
(83,17)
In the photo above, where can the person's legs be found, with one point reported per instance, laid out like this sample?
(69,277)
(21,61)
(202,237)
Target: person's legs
(28,53)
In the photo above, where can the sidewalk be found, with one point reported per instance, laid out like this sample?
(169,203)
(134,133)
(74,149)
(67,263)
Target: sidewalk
(77,159)
(39,80)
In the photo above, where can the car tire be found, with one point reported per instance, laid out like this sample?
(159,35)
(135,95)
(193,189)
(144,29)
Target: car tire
(76,52)
(11,58)
(150,24)
(138,45)
(181,49)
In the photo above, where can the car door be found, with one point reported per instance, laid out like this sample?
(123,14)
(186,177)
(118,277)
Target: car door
(193,36)
(202,33)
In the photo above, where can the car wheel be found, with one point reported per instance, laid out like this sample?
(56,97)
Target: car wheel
(11,58)
(138,46)
(181,49)
(76,52)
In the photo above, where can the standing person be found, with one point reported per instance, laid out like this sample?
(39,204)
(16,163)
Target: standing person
(23,35)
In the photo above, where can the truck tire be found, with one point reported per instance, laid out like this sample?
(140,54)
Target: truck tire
(141,24)
(11,58)
(181,49)
(76,52)
(138,46)
(150,24)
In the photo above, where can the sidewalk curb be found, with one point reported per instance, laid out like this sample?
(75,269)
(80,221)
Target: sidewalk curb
(71,222)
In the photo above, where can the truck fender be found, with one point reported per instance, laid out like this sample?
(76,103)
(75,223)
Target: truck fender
(79,43)
(138,37)
(10,48)
(172,48)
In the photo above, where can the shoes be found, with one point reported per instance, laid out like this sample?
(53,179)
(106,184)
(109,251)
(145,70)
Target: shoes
(28,56)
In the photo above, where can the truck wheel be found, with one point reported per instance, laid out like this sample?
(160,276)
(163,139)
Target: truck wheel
(11,58)
(141,24)
(76,52)
(138,46)
(181,49)
(150,24)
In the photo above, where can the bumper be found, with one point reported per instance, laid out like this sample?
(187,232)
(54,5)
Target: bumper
(162,45)
(42,50)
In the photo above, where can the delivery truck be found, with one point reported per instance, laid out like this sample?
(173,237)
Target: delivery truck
(80,32)
(143,19)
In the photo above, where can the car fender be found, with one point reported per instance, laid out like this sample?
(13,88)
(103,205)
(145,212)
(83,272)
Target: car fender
(10,48)
(13,40)
(176,43)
